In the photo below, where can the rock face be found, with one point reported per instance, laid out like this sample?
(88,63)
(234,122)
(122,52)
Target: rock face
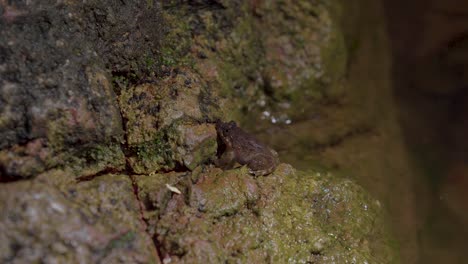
(289,216)
(92,222)
(58,104)
(107,106)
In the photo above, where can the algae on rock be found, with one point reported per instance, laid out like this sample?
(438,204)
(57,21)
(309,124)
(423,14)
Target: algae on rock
(287,217)
(106,102)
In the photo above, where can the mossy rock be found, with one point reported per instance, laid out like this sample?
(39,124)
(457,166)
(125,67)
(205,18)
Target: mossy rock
(287,217)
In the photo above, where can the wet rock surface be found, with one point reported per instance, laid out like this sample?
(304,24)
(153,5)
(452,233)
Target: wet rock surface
(107,134)
(289,216)
(41,222)
(55,78)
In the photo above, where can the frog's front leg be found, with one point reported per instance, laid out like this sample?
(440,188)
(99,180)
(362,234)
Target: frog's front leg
(226,161)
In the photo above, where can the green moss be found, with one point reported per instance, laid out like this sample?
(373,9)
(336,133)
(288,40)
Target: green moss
(150,62)
(227,194)
(177,39)
(119,83)
(159,153)
(238,57)
(108,156)
(286,217)
(150,3)
(327,216)
(56,131)
(155,155)
(293,231)
(86,158)
(205,151)
(123,240)
(91,159)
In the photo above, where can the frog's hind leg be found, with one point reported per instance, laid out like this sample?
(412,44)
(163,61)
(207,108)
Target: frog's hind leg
(262,165)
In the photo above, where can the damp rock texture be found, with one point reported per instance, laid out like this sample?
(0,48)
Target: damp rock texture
(287,217)
(92,222)
(57,101)
(107,136)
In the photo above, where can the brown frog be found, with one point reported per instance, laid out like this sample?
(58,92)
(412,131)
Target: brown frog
(240,147)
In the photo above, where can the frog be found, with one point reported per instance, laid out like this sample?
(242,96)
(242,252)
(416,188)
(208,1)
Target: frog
(240,147)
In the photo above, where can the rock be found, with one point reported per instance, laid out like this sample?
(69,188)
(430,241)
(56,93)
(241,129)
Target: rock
(305,56)
(148,108)
(287,216)
(224,195)
(162,121)
(106,134)
(55,85)
(42,223)
(154,194)
(198,144)
(180,145)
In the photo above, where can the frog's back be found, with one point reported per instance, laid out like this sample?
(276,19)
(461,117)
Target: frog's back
(248,148)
